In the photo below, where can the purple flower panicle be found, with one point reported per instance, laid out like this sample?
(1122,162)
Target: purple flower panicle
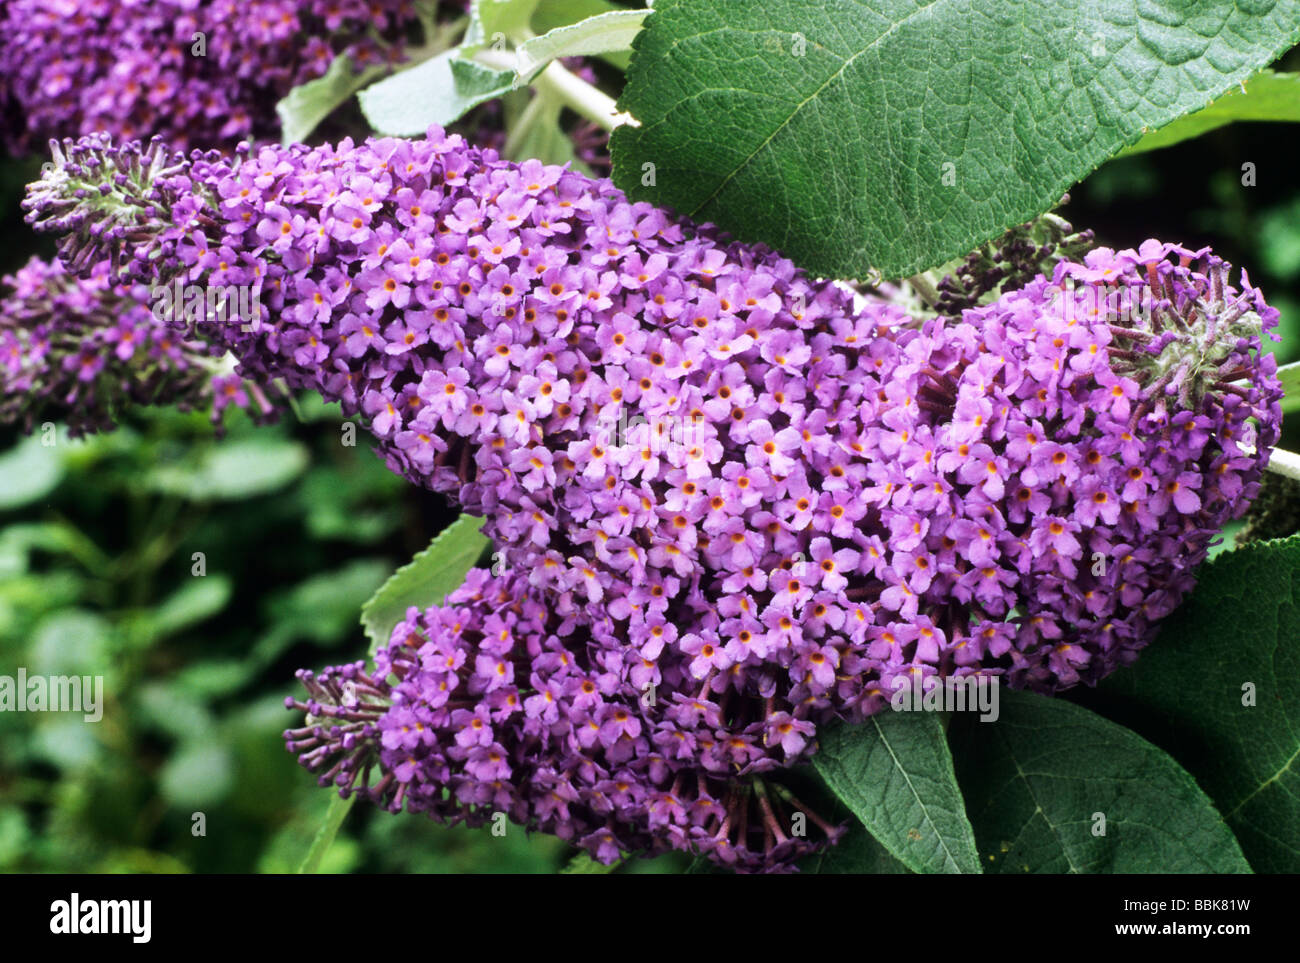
(83,350)
(746,490)
(131,67)
(492,703)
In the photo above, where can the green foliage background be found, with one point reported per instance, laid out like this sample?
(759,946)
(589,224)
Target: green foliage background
(97,538)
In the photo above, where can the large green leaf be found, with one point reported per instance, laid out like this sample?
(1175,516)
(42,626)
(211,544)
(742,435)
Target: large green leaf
(426,579)
(895,774)
(1235,641)
(438,91)
(497,18)
(559,13)
(1054,788)
(1268,96)
(303,108)
(901,133)
(603,33)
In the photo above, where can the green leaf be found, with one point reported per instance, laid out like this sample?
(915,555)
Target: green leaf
(181,714)
(548,142)
(1279,255)
(895,774)
(438,91)
(426,580)
(232,470)
(338,811)
(28,472)
(603,33)
(60,537)
(1268,96)
(490,18)
(304,107)
(1038,779)
(584,865)
(242,469)
(324,607)
(70,640)
(215,678)
(189,605)
(199,774)
(538,134)
(1188,691)
(1289,375)
(15,838)
(560,13)
(66,742)
(478,82)
(898,134)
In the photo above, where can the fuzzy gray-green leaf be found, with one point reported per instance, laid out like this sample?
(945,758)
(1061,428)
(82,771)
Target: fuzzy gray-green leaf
(897,134)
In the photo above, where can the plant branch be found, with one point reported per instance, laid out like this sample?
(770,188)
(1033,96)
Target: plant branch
(1286,463)
(528,119)
(924,286)
(575,93)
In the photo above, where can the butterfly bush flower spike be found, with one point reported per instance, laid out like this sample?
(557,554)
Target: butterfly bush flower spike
(732,504)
